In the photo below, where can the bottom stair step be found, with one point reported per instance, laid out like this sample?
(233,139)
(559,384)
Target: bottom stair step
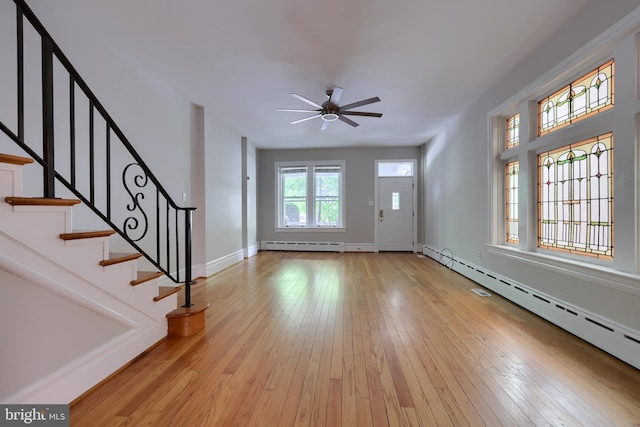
(186,321)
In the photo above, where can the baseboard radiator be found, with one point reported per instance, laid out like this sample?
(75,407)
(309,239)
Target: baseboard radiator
(303,246)
(615,339)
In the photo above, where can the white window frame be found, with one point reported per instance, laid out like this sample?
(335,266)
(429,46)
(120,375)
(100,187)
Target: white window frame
(311,226)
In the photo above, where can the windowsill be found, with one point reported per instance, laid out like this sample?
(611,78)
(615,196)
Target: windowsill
(598,274)
(310,230)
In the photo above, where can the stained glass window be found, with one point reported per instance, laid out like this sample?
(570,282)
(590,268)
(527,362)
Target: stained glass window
(513,131)
(575,196)
(586,96)
(511,181)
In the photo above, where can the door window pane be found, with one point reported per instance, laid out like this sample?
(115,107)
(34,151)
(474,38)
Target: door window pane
(395,201)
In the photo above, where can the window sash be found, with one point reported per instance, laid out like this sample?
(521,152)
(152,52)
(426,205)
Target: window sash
(591,94)
(511,195)
(575,198)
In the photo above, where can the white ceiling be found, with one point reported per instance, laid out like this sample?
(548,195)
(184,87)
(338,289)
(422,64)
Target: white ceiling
(426,59)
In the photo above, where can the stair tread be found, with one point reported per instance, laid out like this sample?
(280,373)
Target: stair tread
(145,276)
(118,257)
(86,234)
(165,291)
(15,160)
(40,201)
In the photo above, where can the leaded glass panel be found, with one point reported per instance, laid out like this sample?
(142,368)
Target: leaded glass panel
(513,170)
(513,131)
(584,97)
(575,197)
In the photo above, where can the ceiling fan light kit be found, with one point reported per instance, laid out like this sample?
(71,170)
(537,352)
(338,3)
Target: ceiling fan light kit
(330,110)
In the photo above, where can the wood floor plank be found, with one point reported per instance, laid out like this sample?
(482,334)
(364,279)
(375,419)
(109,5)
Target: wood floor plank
(358,339)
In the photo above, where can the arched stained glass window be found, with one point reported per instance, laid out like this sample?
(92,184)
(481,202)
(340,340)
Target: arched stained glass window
(512,173)
(575,193)
(584,97)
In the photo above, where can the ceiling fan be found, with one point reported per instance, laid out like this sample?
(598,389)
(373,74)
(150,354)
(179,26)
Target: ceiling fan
(330,111)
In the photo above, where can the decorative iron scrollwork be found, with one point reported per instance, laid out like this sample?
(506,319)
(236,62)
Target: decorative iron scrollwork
(133,226)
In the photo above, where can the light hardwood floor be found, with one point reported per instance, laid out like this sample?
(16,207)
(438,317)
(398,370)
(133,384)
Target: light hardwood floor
(363,340)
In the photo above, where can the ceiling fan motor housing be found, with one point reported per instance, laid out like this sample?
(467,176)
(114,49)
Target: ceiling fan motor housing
(330,112)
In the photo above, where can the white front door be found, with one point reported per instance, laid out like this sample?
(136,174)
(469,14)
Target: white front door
(395,215)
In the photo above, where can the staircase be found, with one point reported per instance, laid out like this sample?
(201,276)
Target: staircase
(72,312)
(117,310)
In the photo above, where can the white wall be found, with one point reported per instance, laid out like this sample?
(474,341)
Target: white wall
(457,179)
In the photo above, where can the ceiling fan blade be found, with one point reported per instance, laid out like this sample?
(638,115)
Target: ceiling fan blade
(325,125)
(359,103)
(298,111)
(306,118)
(361,113)
(335,96)
(348,121)
(308,101)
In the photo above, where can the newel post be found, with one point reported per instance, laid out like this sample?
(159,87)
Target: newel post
(187,250)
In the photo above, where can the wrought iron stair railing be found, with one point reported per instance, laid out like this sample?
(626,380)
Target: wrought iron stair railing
(83,149)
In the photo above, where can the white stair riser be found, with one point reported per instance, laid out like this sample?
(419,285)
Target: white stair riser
(10,180)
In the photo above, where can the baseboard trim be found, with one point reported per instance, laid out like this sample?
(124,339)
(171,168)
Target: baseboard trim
(617,340)
(212,267)
(303,246)
(360,247)
(226,261)
(251,251)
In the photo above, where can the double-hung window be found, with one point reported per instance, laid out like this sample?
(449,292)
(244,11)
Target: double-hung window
(310,195)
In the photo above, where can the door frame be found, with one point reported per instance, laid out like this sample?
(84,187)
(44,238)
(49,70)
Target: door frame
(415,200)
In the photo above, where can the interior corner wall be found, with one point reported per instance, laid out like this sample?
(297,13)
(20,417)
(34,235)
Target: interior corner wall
(198,192)
(223,180)
(457,179)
